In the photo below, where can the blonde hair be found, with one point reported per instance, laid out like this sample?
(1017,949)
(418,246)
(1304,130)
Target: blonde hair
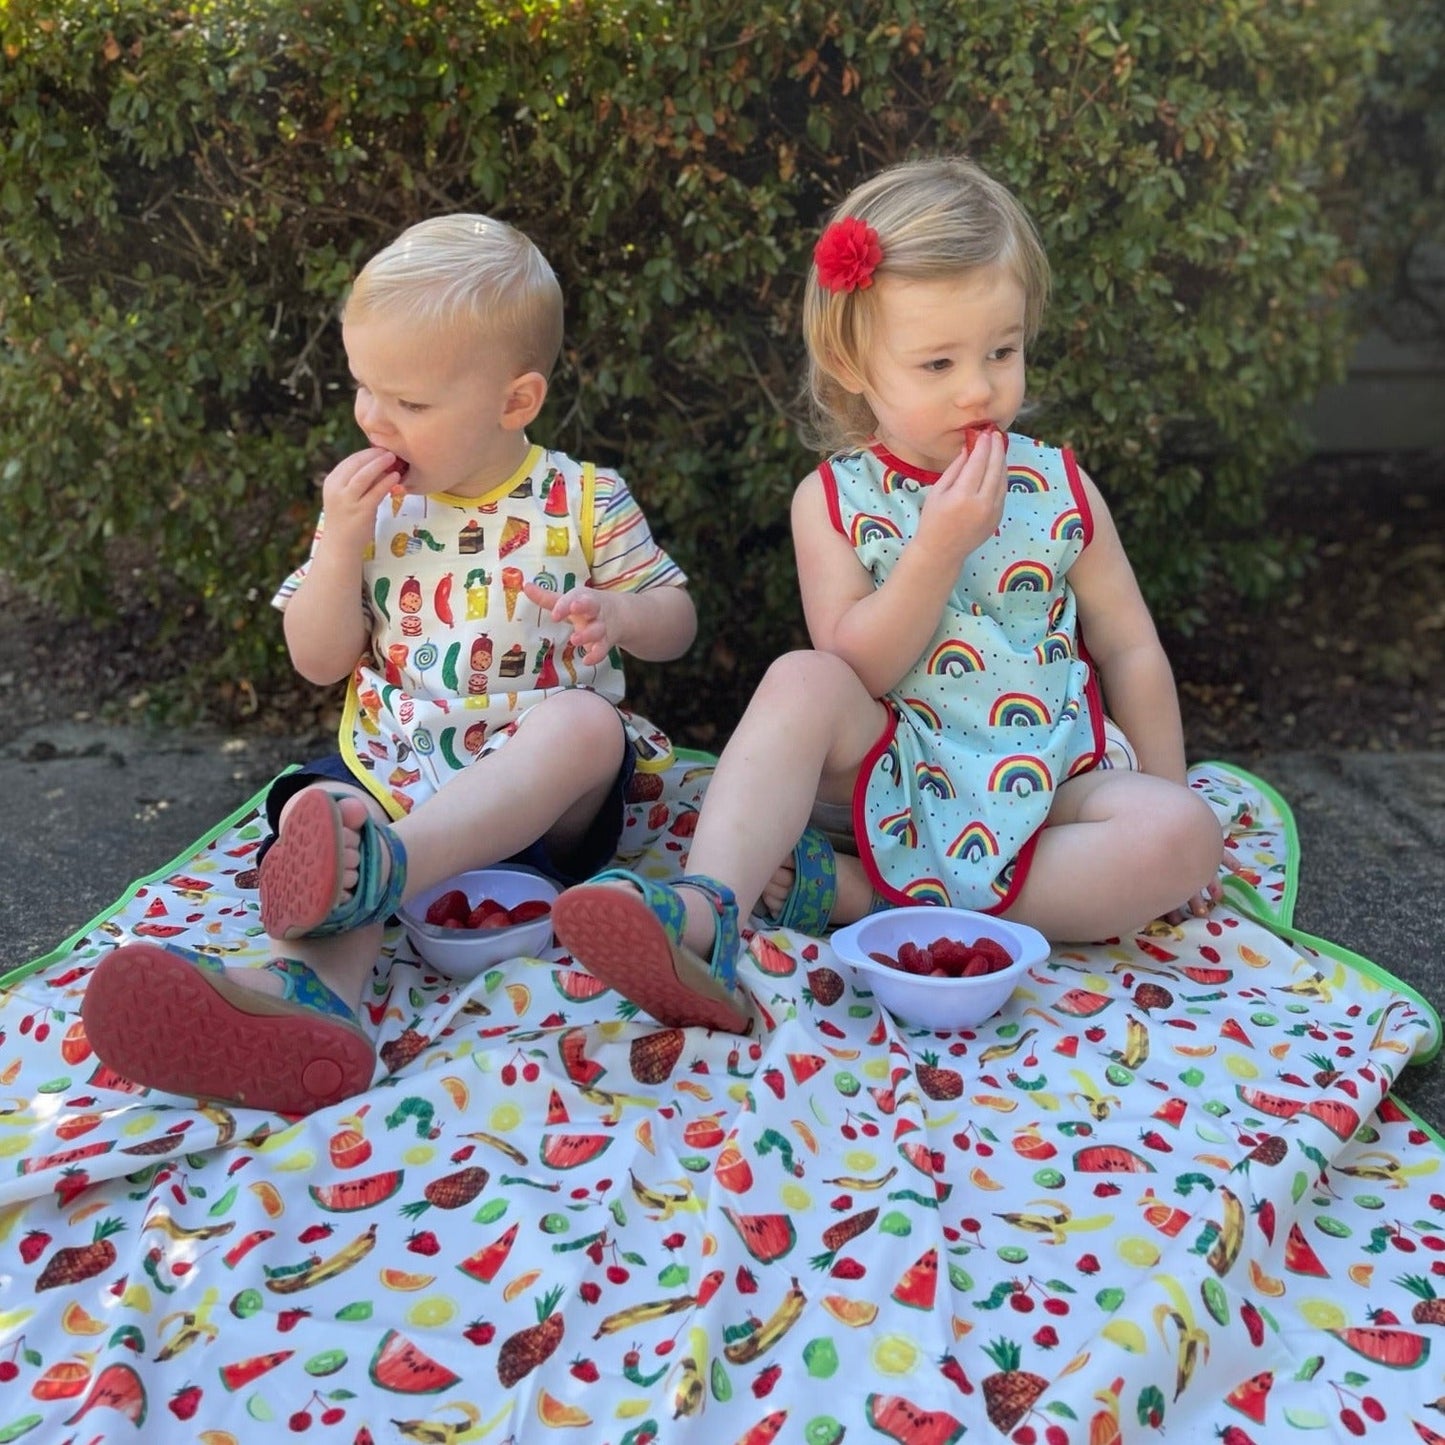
(935,219)
(467,271)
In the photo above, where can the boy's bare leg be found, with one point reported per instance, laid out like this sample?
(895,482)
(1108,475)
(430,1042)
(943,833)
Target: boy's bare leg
(498,806)
(1120,850)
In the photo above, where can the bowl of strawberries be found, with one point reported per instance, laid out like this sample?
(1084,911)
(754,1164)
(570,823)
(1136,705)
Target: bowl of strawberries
(479,919)
(939,968)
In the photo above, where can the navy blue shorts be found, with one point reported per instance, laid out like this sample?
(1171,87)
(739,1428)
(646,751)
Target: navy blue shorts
(592,853)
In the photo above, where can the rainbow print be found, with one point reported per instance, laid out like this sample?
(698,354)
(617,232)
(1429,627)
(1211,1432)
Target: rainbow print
(1005,880)
(900,827)
(868,528)
(974,843)
(1056,611)
(893,480)
(1026,479)
(1068,526)
(954,658)
(1018,710)
(1020,774)
(1070,711)
(1026,576)
(1054,648)
(931,778)
(928,891)
(926,711)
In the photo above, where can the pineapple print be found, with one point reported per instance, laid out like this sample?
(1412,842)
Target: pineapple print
(938,1083)
(449,1192)
(654,1056)
(1429,1307)
(837,1235)
(522,1352)
(825,986)
(81,1262)
(397,1053)
(1009,1395)
(1150,996)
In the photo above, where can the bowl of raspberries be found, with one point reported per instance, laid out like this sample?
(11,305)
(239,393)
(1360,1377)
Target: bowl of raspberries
(939,968)
(481,918)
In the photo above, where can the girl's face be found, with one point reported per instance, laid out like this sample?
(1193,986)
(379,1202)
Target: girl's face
(447,408)
(946,353)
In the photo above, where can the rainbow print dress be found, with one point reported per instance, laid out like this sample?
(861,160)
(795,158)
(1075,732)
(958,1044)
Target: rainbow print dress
(1002,703)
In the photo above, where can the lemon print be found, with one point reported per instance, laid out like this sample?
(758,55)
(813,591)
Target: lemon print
(1142,1252)
(432,1312)
(505,1117)
(796,1198)
(1323,1314)
(876,1068)
(418,1154)
(894,1355)
(141,1124)
(1241,1067)
(860,1161)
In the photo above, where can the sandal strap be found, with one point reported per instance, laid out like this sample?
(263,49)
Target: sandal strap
(810,901)
(303,988)
(671,912)
(371,901)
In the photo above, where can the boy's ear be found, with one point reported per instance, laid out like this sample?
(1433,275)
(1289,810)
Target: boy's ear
(523,400)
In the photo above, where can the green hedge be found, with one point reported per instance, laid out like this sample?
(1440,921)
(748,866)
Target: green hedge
(186,189)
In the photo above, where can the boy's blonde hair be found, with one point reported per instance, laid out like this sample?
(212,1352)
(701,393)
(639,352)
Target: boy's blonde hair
(468,272)
(935,219)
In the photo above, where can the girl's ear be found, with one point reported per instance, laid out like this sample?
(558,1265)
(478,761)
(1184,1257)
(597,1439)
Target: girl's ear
(844,375)
(523,400)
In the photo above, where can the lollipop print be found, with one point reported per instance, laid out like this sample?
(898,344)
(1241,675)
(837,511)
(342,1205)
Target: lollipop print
(548,583)
(424,657)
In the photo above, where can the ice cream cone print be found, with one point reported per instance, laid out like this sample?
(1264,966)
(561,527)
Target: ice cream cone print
(511,589)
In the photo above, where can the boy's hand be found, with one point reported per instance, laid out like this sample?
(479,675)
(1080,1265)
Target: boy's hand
(595,616)
(964,505)
(353,491)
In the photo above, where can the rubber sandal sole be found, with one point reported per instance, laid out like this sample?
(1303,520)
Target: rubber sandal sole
(300,879)
(159,1020)
(619,940)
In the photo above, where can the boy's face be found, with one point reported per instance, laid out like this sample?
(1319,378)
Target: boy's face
(452,408)
(945,354)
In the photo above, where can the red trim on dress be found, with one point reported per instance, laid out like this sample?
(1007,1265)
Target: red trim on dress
(830,495)
(1076,489)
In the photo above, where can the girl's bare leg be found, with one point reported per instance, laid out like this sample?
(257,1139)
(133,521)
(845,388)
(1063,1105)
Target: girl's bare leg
(808,726)
(1120,850)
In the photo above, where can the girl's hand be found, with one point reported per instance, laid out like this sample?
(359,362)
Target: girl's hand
(594,615)
(1203,903)
(966,502)
(353,491)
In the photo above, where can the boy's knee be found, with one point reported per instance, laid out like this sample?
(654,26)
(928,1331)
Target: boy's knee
(1197,836)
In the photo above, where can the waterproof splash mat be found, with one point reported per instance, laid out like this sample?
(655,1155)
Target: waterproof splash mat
(1165,1195)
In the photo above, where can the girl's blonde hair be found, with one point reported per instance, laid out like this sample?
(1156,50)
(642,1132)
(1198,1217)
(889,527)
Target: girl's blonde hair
(467,271)
(934,218)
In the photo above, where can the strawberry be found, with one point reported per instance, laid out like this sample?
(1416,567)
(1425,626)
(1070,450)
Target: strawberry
(529,909)
(452,904)
(583,1369)
(184,1403)
(953,1372)
(766,1379)
(480,1332)
(33,1245)
(314,1232)
(848,1268)
(423,1241)
(1153,1139)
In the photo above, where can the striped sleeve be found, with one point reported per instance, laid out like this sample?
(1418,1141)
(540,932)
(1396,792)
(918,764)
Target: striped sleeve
(287,590)
(625,557)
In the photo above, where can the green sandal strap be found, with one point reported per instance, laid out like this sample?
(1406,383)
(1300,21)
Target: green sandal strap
(372,900)
(668,908)
(810,901)
(303,988)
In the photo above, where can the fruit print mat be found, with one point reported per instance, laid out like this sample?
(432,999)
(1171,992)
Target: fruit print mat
(1165,1195)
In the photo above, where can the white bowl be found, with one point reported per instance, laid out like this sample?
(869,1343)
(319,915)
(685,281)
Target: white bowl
(465,952)
(937,1003)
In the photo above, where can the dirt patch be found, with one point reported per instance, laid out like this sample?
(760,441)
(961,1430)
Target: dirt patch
(1351,656)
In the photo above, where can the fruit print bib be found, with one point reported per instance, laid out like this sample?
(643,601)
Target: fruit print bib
(1000,706)
(458,653)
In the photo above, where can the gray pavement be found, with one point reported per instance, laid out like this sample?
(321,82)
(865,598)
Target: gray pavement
(92,808)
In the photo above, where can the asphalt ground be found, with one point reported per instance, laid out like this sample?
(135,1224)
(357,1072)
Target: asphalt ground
(91,808)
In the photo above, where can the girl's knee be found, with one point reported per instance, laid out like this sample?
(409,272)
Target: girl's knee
(808,678)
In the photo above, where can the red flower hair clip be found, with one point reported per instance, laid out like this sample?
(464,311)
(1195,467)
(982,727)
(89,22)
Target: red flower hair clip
(847,254)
